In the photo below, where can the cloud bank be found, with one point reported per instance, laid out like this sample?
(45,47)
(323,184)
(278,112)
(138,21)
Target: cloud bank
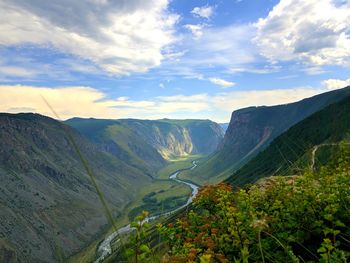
(313,31)
(87,102)
(121,37)
(332,84)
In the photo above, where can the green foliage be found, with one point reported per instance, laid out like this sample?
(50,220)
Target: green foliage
(139,251)
(283,219)
(153,206)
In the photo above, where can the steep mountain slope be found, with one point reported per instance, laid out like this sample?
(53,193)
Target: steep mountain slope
(174,138)
(252,129)
(121,141)
(147,142)
(49,208)
(294,150)
(224,126)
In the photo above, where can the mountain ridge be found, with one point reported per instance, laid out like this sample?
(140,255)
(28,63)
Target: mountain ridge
(171,138)
(293,150)
(252,129)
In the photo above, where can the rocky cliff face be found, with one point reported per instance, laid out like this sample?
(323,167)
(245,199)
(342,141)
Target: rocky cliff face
(147,144)
(175,138)
(252,129)
(244,134)
(49,208)
(312,142)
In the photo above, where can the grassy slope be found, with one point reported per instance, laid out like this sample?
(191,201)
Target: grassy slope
(178,164)
(289,152)
(120,141)
(195,176)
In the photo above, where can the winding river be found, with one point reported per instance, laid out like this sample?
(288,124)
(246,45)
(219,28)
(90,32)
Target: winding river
(105,248)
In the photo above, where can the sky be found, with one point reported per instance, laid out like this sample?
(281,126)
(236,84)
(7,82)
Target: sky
(169,58)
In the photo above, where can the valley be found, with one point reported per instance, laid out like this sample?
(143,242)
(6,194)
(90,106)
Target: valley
(160,190)
(105,249)
(45,186)
(173,131)
(143,165)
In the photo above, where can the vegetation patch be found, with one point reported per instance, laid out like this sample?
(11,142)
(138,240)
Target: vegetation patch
(180,163)
(151,205)
(282,219)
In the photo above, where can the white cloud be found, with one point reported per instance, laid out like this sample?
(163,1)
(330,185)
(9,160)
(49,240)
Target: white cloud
(333,84)
(218,49)
(203,11)
(221,82)
(120,37)
(262,70)
(240,99)
(67,102)
(313,31)
(17,71)
(88,102)
(225,47)
(196,30)
(317,70)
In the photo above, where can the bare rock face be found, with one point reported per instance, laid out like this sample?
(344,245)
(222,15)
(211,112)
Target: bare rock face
(176,138)
(244,135)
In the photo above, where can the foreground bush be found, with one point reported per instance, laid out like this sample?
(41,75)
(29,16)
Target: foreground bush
(283,219)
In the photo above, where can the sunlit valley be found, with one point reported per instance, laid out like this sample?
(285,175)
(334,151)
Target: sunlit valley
(174,131)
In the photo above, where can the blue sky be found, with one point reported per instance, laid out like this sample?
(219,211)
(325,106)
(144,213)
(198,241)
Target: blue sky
(175,59)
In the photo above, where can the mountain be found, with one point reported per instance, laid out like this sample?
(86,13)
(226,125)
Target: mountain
(252,129)
(224,126)
(174,138)
(121,141)
(152,138)
(313,140)
(49,208)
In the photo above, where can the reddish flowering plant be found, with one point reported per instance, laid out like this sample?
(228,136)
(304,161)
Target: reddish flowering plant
(284,219)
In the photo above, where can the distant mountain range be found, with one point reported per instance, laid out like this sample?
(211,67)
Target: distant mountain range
(171,138)
(49,208)
(252,129)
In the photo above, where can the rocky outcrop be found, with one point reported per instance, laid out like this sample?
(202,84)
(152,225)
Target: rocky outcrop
(176,138)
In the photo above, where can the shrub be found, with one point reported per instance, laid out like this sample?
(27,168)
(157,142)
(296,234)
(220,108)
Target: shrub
(282,219)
